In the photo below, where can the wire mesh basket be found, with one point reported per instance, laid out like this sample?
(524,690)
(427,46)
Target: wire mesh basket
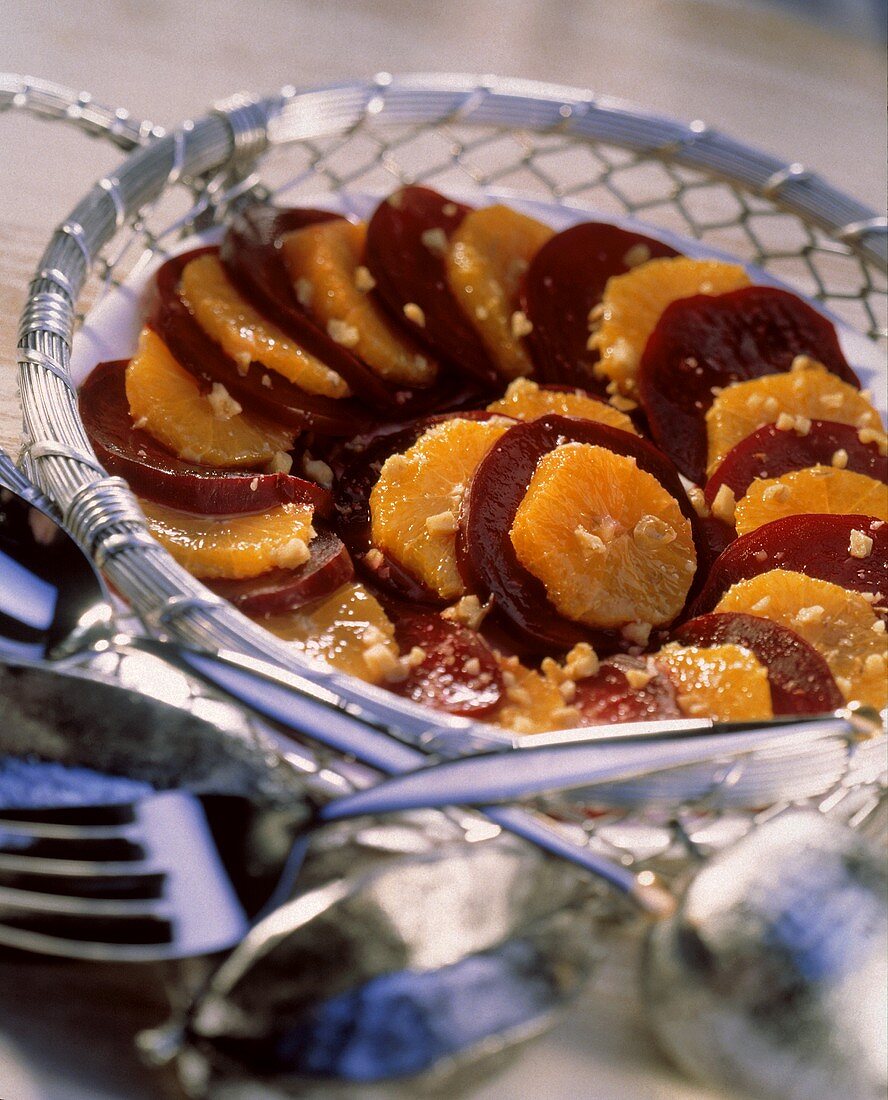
(478,139)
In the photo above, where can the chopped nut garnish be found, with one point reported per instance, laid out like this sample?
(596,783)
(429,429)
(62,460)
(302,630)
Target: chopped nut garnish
(874,664)
(382,663)
(364,281)
(414,313)
(416,656)
(520,325)
(761,605)
(222,403)
(449,209)
(482,313)
(593,543)
(622,404)
(140,423)
(637,633)
(281,463)
(581,661)
(698,501)
(785,422)
(637,678)
(840,459)
(444,523)
(725,504)
(637,254)
(468,610)
(812,614)
(292,554)
(435,240)
(343,333)
(568,690)
(873,435)
(472,666)
(761,555)
(596,316)
(879,626)
(318,471)
(805,362)
(266,381)
(254,484)
(860,545)
(304,292)
(374,557)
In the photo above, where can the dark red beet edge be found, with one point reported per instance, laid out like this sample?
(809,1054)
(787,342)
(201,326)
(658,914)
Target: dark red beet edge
(441,680)
(281,590)
(770,452)
(800,679)
(608,697)
(487,558)
(281,401)
(565,280)
(816,545)
(406,271)
(157,474)
(711,341)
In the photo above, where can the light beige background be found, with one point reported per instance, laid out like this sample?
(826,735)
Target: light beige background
(795,89)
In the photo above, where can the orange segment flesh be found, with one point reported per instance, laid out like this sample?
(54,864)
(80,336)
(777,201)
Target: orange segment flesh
(415,503)
(608,542)
(244,334)
(166,401)
(811,393)
(532,703)
(233,547)
(342,630)
(487,257)
(524,400)
(323,262)
(815,489)
(726,682)
(840,624)
(633,302)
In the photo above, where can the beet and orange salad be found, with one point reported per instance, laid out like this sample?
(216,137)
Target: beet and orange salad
(540,479)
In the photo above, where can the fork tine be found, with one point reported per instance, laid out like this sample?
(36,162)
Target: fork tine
(16,900)
(145,882)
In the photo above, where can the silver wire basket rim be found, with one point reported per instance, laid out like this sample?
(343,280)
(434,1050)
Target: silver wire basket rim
(100,511)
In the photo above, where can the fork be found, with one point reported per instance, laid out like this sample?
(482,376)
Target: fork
(160,877)
(143,881)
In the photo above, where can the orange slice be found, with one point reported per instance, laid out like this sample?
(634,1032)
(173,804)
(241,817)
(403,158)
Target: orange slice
(324,262)
(821,489)
(414,506)
(840,624)
(245,335)
(348,629)
(166,401)
(725,682)
(633,302)
(608,542)
(233,547)
(524,400)
(533,703)
(809,393)
(486,259)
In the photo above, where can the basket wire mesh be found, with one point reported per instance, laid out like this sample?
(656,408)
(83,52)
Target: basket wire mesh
(478,138)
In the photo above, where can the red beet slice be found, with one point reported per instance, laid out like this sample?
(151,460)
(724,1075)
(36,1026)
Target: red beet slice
(252,257)
(358,465)
(770,452)
(816,545)
(487,557)
(279,400)
(565,280)
(609,697)
(282,590)
(800,680)
(156,474)
(406,270)
(711,341)
(459,673)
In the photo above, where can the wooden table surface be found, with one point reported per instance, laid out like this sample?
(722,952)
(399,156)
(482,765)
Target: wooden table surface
(799,90)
